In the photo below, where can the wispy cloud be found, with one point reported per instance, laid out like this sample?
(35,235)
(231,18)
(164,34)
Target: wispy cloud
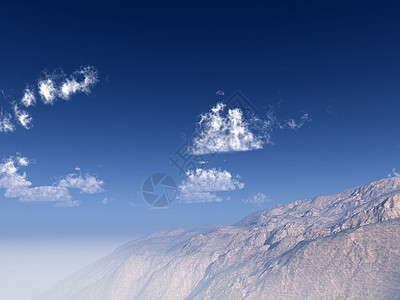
(199,197)
(295,125)
(29,98)
(50,88)
(394,173)
(23,117)
(73,203)
(257,199)
(221,131)
(17,186)
(200,185)
(107,200)
(80,81)
(6,124)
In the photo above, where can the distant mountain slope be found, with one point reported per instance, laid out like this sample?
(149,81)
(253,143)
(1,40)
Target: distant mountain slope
(342,246)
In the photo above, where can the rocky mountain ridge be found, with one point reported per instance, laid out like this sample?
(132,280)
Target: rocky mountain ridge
(341,246)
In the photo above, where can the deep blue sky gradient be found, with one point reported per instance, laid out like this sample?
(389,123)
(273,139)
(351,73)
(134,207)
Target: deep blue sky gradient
(160,66)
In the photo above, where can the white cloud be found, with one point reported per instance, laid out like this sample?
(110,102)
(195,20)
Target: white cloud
(219,132)
(47,90)
(257,199)
(72,85)
(6,124)
(199,197)
(17,186)
(210,180)
(29,98)
(39,194)
(23,118)
(22,161)
(80,81)
(88,184)
(200,185)
(9,177)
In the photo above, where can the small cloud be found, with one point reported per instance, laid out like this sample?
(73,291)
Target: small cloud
(29,98)
(107,200)
(220,92)
(47,90)
(6,124)
(22,161)
(201,184)
(257,199)
(23,118)
(210,180)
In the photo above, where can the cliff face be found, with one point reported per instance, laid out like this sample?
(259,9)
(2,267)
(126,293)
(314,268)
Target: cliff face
(346,245)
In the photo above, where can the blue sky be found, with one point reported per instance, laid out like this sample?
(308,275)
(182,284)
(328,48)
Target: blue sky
(159,67)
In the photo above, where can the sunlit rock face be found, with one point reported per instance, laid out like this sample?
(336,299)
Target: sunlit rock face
(342,246)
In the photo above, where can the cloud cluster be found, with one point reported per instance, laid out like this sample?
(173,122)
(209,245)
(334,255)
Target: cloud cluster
(49,89)
(221,131)
(257,199)
(225,130)
(17,186)
(200,185)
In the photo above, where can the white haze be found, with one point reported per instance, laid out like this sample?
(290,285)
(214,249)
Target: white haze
(29,267)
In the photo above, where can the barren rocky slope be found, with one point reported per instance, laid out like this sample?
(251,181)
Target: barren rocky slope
(342,246)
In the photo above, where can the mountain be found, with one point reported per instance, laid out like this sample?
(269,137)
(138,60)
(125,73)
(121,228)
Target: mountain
(342,246)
